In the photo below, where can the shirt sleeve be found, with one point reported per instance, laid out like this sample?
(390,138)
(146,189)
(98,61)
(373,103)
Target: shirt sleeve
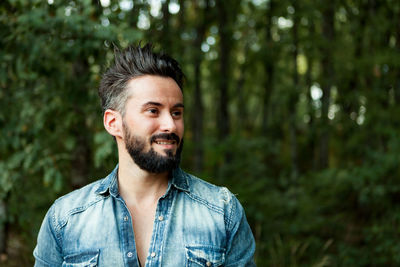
(48,248)
(241,245)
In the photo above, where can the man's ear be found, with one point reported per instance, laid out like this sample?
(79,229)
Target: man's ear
(112,121)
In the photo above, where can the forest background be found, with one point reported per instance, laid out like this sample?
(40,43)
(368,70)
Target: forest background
(293,105)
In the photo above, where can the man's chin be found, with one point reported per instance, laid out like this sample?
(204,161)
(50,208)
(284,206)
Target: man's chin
(164,152)
(167,153)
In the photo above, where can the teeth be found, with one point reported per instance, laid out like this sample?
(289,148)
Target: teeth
(164,143)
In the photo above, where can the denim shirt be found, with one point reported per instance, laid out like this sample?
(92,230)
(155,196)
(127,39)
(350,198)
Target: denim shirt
(196,224)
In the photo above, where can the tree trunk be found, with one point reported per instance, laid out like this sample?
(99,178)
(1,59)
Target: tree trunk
(198,109)
(225,47)
(166,33)
(349,97)
(180,45)
(327,80)
(241,101)
(82,155)
(293,98)
(269,67)
(309,82)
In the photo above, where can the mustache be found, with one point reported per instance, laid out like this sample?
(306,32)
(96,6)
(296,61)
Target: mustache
(166,136)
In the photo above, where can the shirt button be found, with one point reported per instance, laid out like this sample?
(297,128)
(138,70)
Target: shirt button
(160,218)
(129,254)
(208,263)
(153,254)
(126,218)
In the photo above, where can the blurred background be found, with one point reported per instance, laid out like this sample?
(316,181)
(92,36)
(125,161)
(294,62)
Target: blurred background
(293,105)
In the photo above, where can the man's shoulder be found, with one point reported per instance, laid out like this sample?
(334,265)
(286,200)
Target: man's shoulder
(205,191)
(83,194)
(77,200)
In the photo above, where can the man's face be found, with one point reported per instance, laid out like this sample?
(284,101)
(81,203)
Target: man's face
(153,123)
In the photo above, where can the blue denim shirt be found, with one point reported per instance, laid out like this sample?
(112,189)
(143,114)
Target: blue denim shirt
(196,224)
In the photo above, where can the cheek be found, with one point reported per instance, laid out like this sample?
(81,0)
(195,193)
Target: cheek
(181,128)
(144,129)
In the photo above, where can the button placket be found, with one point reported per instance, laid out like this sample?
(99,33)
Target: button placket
(126,234)
(160,222)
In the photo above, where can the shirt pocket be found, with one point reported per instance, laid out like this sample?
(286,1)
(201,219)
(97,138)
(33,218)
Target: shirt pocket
(202,255)
(84,259)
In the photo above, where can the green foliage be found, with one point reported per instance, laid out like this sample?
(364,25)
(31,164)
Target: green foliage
(294,253)
(296,96)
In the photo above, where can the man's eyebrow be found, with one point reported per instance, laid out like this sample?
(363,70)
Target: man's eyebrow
(151,103)
(179,105)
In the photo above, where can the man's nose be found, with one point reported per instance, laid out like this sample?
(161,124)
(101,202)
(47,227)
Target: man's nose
(167,123)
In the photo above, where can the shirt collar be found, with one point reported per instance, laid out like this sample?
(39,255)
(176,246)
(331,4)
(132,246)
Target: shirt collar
(180,180)
(109,185)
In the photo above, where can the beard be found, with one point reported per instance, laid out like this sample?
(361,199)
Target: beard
(152,161)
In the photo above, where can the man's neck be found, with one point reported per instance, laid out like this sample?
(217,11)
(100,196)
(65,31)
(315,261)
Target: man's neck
(137,186)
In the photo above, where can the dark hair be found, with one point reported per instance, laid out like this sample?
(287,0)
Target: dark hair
(134,61)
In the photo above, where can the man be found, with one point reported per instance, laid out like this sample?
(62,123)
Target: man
(147,211)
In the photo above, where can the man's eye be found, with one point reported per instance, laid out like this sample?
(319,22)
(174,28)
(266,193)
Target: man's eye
(177,113)
(152,110)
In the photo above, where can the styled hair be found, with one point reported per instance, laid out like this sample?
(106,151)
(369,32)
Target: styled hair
(132,62)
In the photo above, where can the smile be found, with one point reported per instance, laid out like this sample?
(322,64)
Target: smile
(167,142)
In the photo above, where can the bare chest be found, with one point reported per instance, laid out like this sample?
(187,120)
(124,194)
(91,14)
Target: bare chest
(142,222)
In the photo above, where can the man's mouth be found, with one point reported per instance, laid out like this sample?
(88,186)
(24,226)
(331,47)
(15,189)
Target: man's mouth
(165,142)
(165,139)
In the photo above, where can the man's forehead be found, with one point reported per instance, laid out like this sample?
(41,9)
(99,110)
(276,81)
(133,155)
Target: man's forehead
(155,99)
(156,92)
(149,85)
